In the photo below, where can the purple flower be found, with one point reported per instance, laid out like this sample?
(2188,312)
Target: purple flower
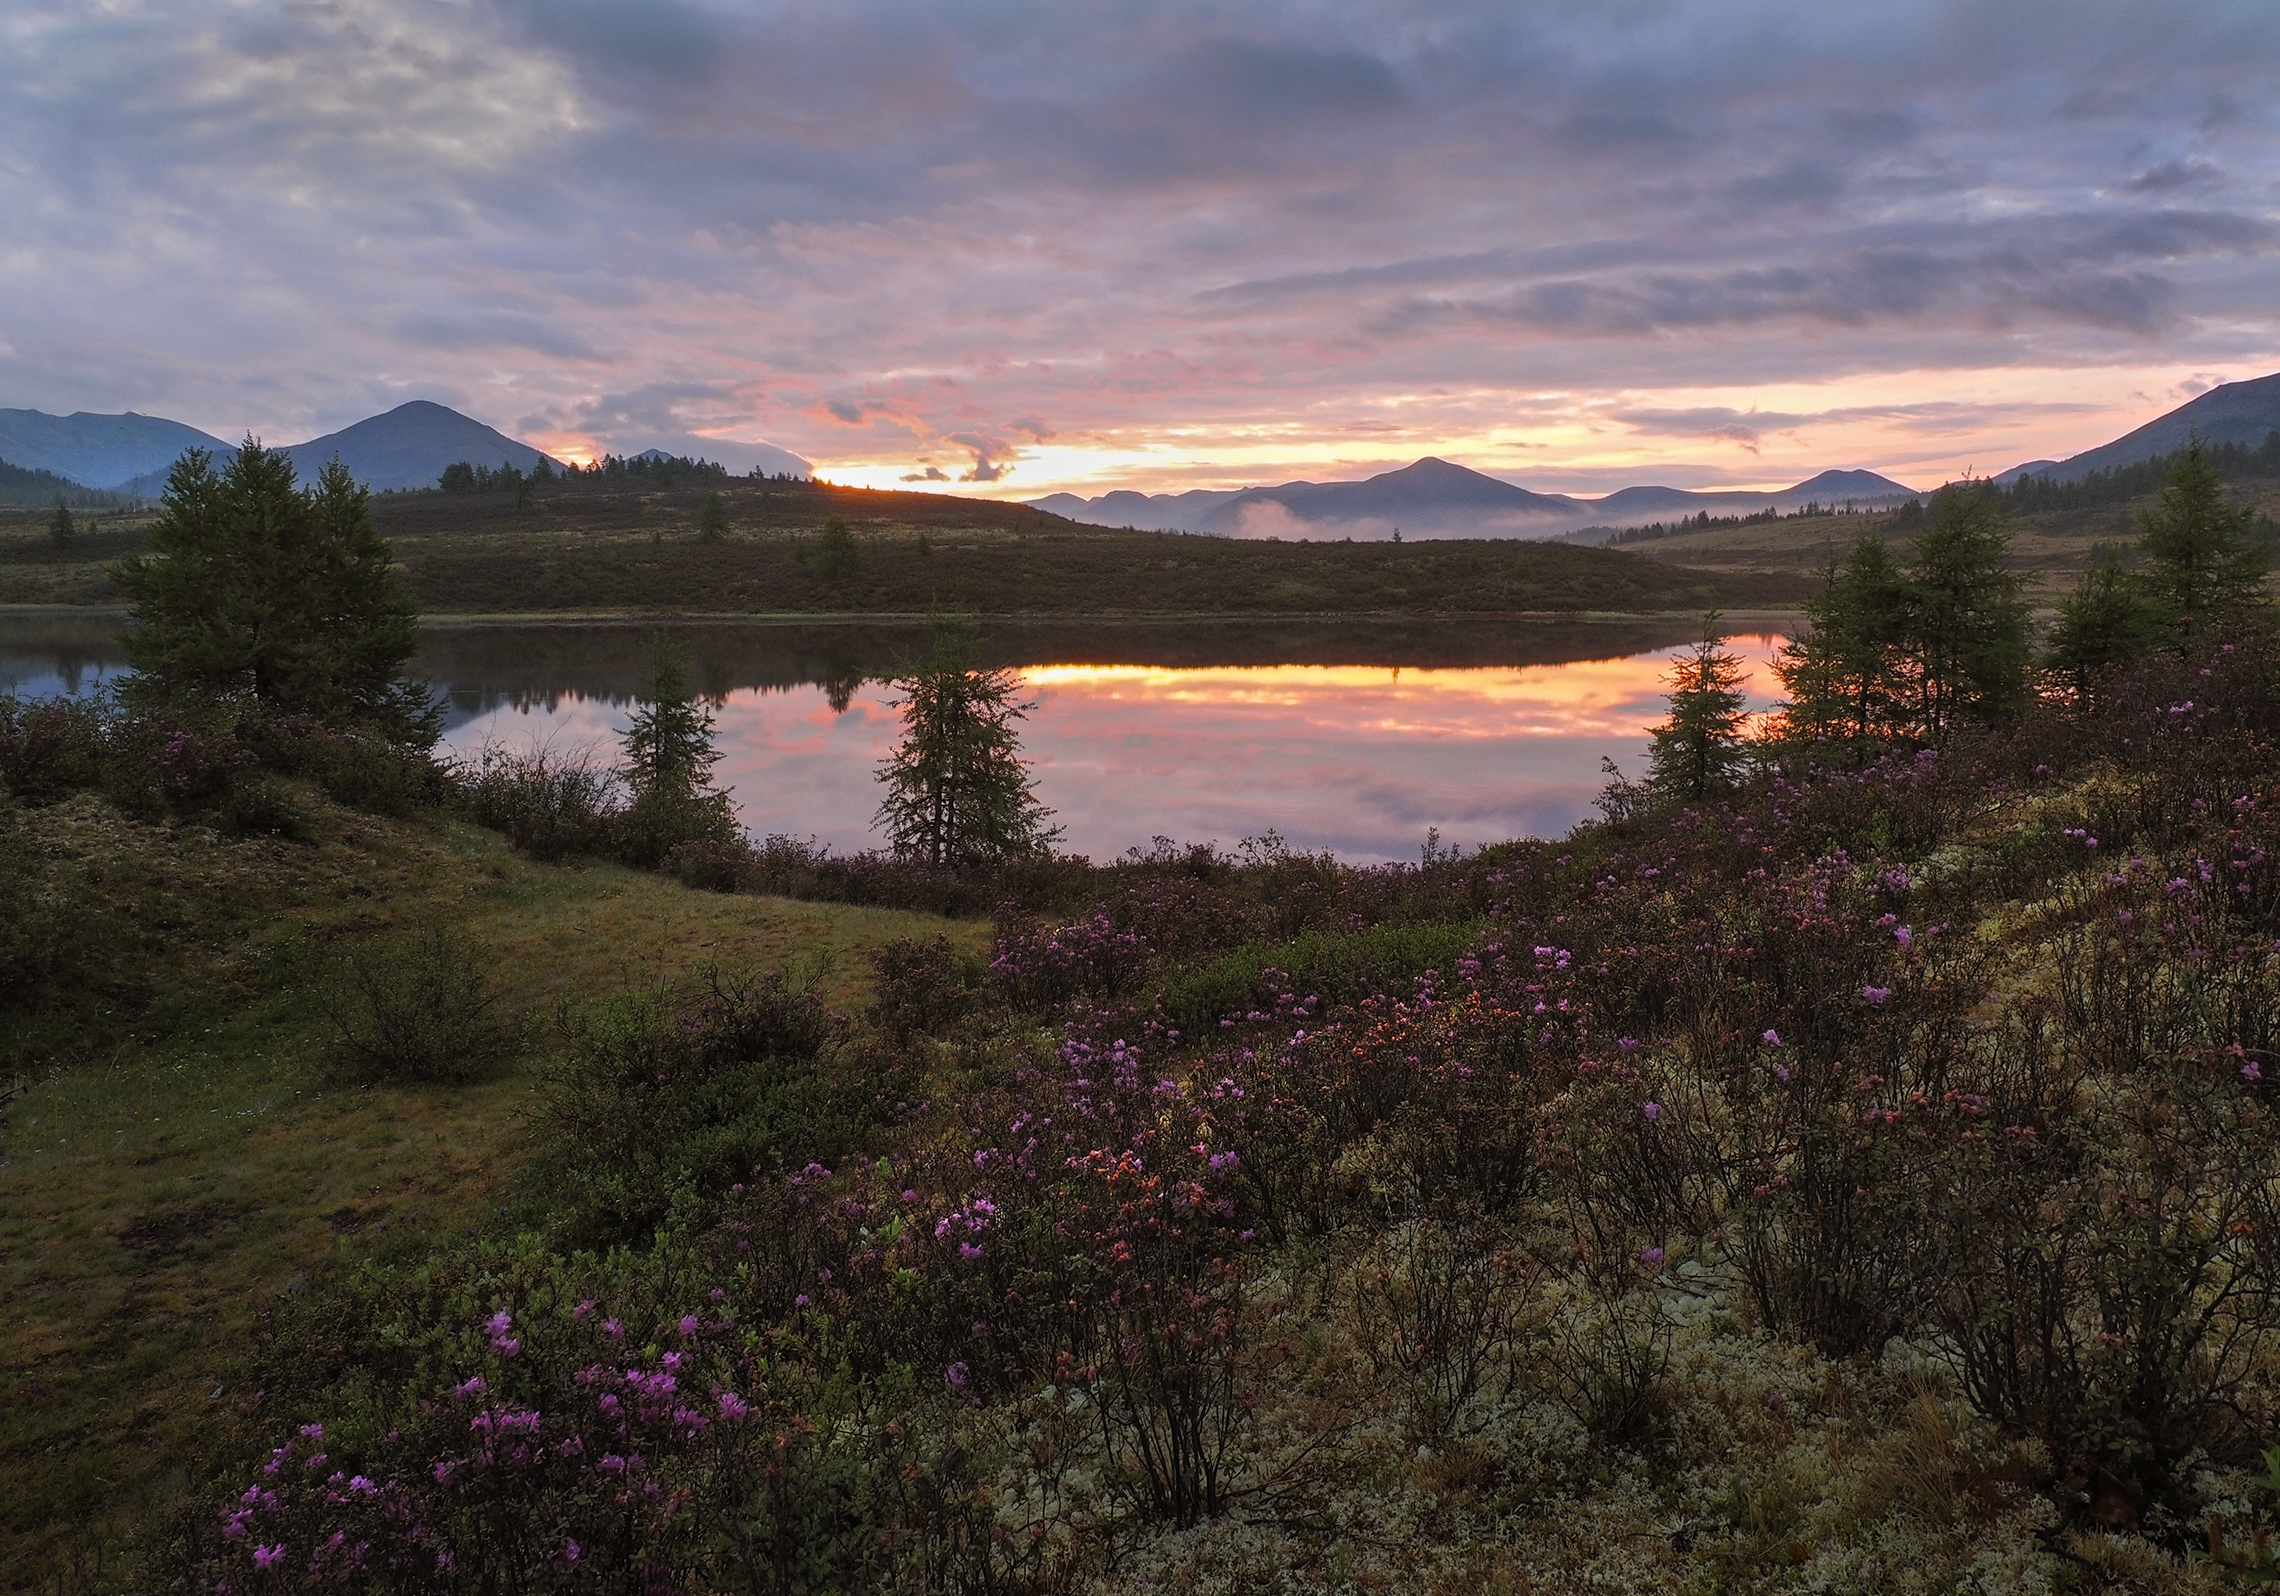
(2252,1071)
(800,1301)
(955,1376)
(733,1408)
(688,1324)
(473,1388)
(583,1309)
(264,1556)
(1629,1044)
(1773,1039)
(569,1551)
(613,1328)
(1876,994)
(1902,935)
(968,1251)
(501,1322)
(1652,1257)
(1653,1112)
(315,1432)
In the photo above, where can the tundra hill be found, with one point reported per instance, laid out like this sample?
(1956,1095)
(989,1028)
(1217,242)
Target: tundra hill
(632,545)
(2231,412)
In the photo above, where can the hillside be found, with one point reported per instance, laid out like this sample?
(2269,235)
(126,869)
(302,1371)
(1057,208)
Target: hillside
(2232,412)
(98,451)
(632,546)
(410,445)
(1641,1209)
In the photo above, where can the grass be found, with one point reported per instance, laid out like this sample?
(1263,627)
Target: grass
(2055,545)
(611,548)
(191,1160)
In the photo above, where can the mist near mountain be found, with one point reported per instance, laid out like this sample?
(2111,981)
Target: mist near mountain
(1435,498)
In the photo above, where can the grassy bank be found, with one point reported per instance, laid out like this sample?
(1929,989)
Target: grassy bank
(183,1159)
(610,547)
(1864,1180)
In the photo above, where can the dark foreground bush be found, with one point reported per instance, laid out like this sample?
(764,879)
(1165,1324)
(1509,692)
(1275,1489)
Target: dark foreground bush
(679,1094)
(418,1005)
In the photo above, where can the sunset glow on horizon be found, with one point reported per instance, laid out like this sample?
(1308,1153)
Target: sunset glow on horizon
(1154,246)
(1358,760)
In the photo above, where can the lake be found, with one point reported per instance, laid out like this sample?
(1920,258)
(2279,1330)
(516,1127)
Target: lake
(1351,736)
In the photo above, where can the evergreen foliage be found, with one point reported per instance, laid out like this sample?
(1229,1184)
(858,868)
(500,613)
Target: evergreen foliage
(2105,625)
(669,756)
(1964,621)
(255,586)
(1700,747)
(838,558)
(957,789)
(2203,564)
(1911,655)
(61,527)
(712,521)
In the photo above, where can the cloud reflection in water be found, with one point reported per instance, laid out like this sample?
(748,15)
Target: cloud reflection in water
(1358,760)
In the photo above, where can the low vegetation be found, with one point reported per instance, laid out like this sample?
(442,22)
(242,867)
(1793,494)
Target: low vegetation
(1847,1164)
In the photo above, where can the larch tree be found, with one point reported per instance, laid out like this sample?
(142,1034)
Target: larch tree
(670,752)
(1701,747)
(254,587)
(958,790)
(2202,564)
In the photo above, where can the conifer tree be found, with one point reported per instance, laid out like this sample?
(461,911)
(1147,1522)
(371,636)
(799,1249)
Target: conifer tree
(61,527)
(255,587)
(1699,748)
(1966,623)
(712,521)
(2203,565)
(958,790)
(669,753)
(2105,625)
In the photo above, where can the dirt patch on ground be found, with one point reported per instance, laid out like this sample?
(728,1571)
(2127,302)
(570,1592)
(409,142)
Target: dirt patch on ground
(165,1234)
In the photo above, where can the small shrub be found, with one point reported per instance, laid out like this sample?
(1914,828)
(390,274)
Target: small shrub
(707,864)
(551,806)
(417,1006)
(681,1094)
(922,986)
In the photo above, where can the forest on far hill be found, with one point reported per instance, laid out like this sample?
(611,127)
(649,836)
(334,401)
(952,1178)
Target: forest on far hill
(700,543)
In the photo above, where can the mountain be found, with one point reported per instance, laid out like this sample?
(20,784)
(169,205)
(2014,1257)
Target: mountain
(1436,499)
(1430,498)
(409,447)
(1639,506)
(99,451)
(2231,412)
(1148,512)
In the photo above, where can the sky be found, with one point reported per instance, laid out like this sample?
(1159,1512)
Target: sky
(1010,247)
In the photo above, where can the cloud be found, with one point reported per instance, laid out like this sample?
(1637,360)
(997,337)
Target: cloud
(2171,175)
(1149,231)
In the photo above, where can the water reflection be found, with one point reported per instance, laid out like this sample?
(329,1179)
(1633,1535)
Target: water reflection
(1351,736)
(1359,760)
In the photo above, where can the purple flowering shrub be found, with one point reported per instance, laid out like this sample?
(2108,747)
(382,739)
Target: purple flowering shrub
(1967,1046)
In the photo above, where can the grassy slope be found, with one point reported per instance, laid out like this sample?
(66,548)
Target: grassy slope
(2057,546)
(602,548)
(196,1161)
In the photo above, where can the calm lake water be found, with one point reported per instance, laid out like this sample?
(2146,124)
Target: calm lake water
(1351,736)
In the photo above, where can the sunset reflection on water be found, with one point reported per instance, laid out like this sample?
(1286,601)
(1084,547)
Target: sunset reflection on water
(1356,759)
